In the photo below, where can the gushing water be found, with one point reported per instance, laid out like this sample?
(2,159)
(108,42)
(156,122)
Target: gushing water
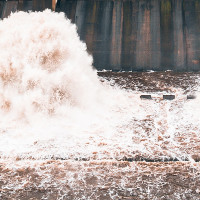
(54,106)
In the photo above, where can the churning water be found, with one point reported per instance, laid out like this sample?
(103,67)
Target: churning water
(52,104)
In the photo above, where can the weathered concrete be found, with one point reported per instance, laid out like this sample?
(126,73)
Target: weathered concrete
(6,7)
(139,34)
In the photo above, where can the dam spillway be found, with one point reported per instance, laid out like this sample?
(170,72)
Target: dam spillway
(131,35)
(66,135)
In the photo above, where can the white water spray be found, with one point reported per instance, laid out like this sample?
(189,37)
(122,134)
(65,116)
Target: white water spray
(53,105)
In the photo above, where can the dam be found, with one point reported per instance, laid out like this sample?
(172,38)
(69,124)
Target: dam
(129,131)
(139,35)
(131,35)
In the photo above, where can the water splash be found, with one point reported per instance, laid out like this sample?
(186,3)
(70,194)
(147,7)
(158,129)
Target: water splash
(54,106)
(48,86)
(43,64)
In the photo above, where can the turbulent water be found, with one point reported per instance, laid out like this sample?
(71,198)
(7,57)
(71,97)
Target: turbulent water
(53,104)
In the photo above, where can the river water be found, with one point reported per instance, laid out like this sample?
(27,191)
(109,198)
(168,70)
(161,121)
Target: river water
(54,105)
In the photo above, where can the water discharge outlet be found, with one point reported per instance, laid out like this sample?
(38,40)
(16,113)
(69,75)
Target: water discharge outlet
(191,96)
(145,97)
(168,97)
(164,97)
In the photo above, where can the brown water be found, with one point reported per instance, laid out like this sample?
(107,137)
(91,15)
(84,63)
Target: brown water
(154,81)
(66,133)
(92,177)
(99,180)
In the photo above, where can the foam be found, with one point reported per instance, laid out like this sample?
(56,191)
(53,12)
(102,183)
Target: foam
(54,106)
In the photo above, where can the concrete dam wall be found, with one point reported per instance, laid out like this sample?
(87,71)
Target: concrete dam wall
(131,35)
(134,35)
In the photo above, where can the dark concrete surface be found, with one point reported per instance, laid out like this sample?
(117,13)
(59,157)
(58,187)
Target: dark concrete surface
(6,7)
(139,34)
